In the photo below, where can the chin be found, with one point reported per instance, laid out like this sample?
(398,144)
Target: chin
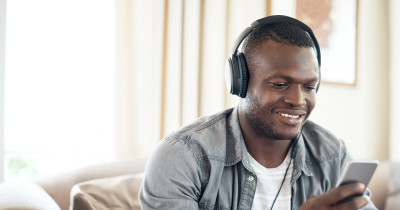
(289,134)
(285,136)
(278,134)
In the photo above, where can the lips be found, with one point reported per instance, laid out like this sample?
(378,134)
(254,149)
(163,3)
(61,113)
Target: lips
(292,118)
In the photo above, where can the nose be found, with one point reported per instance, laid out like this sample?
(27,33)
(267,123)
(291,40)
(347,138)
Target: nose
(295,96)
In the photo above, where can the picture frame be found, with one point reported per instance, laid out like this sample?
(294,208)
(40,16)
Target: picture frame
(334,23)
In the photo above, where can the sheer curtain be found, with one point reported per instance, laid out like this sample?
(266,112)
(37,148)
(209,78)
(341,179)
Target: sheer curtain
(170,64)
(394,79)
(2,48)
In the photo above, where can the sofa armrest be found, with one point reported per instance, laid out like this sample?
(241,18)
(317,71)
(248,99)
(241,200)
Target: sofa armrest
(25,196)
(393,200)
(59,186)
(379,184)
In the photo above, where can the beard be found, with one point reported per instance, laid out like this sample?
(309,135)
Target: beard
(254,116)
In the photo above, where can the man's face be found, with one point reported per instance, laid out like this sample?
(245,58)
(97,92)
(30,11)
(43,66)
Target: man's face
(281,93)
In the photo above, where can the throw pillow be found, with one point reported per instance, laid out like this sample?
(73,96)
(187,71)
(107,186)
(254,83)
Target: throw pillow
(115,193)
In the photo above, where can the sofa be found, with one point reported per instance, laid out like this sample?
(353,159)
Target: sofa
(56,191)
(115,185)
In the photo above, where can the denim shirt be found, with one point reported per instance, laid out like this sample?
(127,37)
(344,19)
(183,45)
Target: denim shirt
(205,165)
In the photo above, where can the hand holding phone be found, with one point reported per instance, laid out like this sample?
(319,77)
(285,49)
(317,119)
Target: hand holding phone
(343,197)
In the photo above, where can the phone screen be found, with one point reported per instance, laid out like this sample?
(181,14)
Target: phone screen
(358,171)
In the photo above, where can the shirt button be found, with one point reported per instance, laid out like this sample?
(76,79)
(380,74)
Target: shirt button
(251,178)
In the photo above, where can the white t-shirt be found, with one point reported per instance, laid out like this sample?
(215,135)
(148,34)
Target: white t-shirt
(268,182)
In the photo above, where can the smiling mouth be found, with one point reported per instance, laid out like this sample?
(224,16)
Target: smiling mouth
(289,115)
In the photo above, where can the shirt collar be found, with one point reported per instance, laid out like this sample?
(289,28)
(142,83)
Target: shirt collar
(234,139)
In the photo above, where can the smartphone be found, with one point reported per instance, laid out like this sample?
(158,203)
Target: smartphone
(358,171)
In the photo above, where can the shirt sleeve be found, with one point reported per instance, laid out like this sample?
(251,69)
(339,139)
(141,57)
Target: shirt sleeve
(172,178)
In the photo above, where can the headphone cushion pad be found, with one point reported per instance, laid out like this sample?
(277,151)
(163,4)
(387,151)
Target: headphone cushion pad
(243,74)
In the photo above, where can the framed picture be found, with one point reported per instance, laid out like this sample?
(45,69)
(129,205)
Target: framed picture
(334,23)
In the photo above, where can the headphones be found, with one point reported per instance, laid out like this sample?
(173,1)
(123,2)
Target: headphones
(236,71)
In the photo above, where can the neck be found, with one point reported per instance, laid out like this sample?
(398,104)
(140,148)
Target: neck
(268,154)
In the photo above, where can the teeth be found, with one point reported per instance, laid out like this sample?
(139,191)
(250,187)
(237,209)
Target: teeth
(288,115)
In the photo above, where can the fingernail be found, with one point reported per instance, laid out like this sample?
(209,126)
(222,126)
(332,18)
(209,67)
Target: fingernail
(361,186)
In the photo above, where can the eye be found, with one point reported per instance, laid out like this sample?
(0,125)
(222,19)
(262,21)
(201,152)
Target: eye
(311,88)
(278,85)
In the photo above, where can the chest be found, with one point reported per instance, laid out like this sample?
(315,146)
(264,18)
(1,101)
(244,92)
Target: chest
(234,187)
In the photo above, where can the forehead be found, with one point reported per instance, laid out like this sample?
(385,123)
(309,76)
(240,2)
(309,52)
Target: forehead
(286,61)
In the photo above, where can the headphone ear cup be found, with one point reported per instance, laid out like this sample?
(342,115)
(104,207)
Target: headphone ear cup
(244,75)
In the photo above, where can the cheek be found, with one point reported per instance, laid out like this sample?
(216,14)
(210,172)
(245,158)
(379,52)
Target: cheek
(270,97)
(311,101)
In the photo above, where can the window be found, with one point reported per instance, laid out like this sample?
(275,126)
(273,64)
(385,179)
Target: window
(59,85)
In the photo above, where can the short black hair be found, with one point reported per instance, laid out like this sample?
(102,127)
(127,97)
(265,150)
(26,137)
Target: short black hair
(283,33)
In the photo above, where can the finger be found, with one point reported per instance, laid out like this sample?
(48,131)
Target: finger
(355,203)
(337,194)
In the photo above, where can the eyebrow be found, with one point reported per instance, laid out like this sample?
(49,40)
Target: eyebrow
(285,77)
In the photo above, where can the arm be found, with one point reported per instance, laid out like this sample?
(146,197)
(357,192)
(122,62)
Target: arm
(172,178)
(333,199)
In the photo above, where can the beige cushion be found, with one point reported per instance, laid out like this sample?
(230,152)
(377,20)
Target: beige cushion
(115,193)
(393,199)
(25,196)
(379,184)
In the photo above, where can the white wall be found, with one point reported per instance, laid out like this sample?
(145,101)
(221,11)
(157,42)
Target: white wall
(360,115)
(394,6)
(2,46)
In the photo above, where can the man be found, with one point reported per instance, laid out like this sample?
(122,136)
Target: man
(263,154)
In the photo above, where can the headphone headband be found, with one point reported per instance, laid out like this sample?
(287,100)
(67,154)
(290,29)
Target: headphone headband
(271,20)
